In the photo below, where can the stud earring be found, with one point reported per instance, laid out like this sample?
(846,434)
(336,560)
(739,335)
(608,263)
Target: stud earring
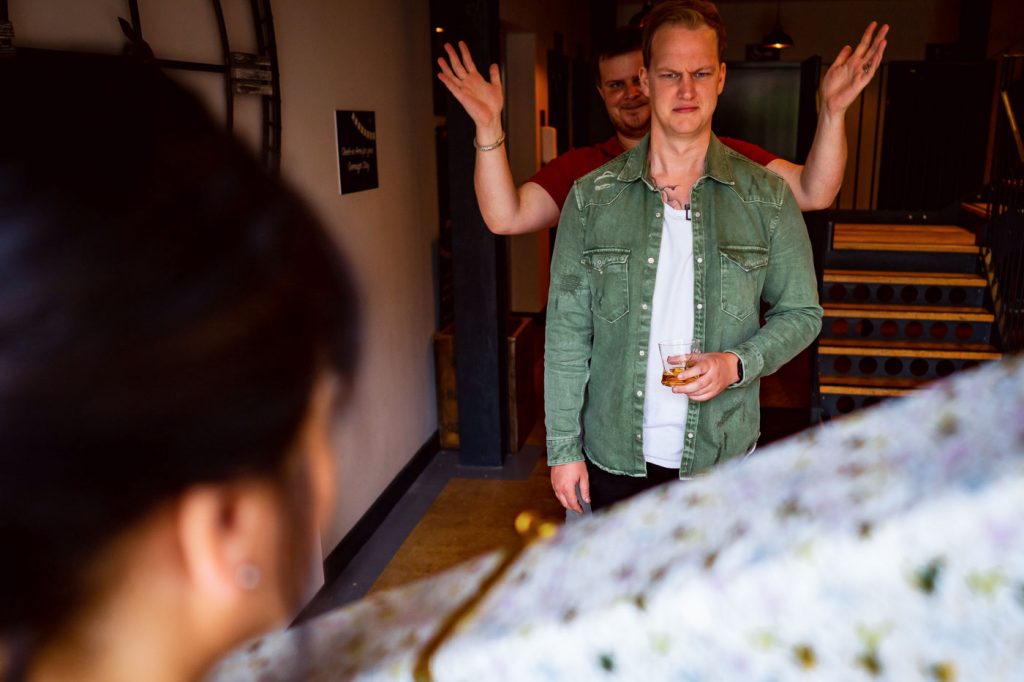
(248,576)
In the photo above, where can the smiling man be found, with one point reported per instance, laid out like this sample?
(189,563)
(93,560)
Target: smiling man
(678,238)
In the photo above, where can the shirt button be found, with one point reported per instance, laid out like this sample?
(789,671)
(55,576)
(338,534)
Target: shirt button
(650,260)
(657,215)
(696,214)
(643,306)
(639,394)
(700,260)
(700,306)
(639,437)
(690,435)
(642,354)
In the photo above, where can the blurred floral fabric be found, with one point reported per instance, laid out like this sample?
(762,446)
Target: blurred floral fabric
(888,545)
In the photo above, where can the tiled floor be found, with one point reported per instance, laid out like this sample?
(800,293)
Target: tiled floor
(452,513)
(442,520)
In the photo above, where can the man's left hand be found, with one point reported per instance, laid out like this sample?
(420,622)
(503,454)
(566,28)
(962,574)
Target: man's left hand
(714,372)
(852,70)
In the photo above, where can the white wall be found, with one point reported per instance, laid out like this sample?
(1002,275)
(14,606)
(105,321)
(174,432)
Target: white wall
(333,55)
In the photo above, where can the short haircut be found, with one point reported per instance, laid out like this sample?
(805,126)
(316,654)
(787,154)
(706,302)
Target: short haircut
(691,14)
(622,40)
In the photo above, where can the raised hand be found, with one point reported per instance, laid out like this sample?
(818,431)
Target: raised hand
(853,69)
(482,99)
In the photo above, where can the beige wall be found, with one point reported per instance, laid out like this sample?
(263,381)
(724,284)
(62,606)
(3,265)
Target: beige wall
(371,56)
(333,55)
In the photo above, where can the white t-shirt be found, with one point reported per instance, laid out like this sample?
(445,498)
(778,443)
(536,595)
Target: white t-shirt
(671,319)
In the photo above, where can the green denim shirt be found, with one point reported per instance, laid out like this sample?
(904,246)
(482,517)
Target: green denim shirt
(749,243)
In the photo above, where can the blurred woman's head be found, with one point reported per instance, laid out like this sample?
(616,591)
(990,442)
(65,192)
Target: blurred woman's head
(173,326)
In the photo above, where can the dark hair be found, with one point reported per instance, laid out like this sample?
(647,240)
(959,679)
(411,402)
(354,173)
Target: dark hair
(622,40)
(690,14)
(166,308)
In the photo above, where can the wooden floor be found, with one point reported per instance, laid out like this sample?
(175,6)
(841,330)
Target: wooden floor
(469,517)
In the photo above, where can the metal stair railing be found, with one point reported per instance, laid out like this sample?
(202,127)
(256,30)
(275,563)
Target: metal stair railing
(1003,246)
(1004,259)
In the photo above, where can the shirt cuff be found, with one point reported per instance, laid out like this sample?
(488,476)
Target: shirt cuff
(564,451)
(751,361)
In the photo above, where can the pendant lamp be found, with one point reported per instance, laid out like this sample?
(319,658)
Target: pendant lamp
(777,38)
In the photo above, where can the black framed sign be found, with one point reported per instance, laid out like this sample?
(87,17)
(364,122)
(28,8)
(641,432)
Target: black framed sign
(357,150)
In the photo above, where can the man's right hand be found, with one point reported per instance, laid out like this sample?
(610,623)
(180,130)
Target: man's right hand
(853,69)
(564,478)
(506,209)
(481,99)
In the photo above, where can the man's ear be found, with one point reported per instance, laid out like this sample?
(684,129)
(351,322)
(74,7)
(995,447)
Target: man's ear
(721,78)
(645,85)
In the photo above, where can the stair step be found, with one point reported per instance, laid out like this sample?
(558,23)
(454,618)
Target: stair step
(866,287)
(864,390)
(976,208)
(904,383)
(919,236)
(836,400)
(888,345)
(950,352)
(908,367)
(946,279)
(908,312)
(843,245)
(915,228)
(874,256)
(907,323)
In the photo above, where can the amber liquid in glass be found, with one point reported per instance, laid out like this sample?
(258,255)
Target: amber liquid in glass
(671,377)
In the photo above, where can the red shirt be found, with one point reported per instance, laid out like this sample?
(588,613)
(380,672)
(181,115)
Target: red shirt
(557,176)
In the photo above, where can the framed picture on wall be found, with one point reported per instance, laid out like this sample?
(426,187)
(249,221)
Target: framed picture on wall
(356,132)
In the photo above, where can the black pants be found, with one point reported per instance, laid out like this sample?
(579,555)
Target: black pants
(606,489)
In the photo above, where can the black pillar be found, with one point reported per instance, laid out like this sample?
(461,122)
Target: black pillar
(478,257)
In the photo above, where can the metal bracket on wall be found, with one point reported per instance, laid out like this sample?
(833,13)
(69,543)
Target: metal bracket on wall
(244,74)
(6,31)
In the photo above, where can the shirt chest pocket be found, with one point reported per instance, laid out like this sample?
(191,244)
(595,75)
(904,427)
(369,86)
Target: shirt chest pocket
(608,275)
(743,273)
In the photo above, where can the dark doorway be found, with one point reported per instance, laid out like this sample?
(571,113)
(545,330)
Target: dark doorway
(936,132)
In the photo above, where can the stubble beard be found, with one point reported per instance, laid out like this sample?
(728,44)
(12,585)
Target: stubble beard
(634,124)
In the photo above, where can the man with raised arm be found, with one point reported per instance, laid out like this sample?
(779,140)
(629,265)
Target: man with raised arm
(536,204)
(678,238)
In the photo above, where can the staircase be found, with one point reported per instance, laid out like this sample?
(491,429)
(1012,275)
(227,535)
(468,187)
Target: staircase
(905,304)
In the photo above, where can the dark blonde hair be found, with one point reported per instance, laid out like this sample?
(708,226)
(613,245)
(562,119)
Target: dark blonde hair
(691,14)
